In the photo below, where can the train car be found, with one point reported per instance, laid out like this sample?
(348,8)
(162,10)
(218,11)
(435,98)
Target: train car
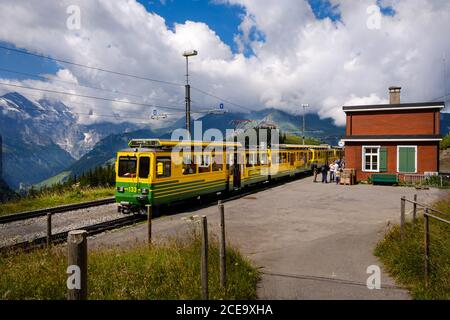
(152,171)
(148,173)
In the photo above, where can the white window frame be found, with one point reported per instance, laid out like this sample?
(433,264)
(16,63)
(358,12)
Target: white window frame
(398,159)
(364,158)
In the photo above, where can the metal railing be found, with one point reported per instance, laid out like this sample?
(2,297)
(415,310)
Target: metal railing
(439,181)
(427,216)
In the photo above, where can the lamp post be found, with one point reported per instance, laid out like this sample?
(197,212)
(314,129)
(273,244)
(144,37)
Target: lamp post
(304,106)
(188,54)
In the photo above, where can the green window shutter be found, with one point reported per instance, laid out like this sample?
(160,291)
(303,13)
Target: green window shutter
(411,159)
(407,160)
(383,160)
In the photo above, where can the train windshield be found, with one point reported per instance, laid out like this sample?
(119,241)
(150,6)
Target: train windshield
(127,167)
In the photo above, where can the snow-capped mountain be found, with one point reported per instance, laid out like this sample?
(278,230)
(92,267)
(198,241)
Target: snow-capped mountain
(43,137)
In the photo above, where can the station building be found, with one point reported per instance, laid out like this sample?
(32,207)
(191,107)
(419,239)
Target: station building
(396,138)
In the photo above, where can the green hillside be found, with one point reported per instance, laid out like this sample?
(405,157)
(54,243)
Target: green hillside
(318,131)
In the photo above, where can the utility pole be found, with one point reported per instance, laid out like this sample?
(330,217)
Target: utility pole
(188,54)
(445,80)
(304,106)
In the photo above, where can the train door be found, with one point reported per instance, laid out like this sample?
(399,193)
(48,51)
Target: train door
(143,177)
(236,170)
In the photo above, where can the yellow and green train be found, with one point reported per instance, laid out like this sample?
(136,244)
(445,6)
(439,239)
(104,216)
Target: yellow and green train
(153,171)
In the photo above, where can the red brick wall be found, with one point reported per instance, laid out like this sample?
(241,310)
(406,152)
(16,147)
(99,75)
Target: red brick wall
(427,157)
(408,122)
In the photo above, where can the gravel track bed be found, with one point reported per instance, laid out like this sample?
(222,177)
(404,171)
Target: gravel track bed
(31,229)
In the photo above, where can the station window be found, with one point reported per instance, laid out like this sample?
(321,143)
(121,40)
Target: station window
(144,167)
(371,157)
(163,167)
(127,167)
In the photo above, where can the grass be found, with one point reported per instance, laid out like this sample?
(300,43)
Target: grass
(52,199)
(169,271)
(53,180)
(404,257)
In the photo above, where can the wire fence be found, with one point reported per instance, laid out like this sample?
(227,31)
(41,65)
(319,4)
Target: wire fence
(437,181)
(435,232)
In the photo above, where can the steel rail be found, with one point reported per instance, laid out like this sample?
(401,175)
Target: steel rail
(59,209)
(62,236)
(129,220)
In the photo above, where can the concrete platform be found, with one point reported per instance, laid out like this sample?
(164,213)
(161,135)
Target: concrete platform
(311,241)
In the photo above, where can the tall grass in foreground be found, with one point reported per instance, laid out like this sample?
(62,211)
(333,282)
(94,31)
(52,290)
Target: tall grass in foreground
(169,271)
(404,258)
(55,198)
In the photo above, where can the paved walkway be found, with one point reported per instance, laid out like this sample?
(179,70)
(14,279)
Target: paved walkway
(312,241)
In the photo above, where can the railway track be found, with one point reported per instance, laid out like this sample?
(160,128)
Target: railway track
(62,236)
(121,222)
(60,209)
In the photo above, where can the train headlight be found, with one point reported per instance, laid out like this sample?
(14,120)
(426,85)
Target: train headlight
(144,191)
(121,189)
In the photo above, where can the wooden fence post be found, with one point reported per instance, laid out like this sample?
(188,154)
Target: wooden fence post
(222,245)
(427,248)
(402,215)
(149,224)
(49,229)
(204,259)
(77,265)
(415,209)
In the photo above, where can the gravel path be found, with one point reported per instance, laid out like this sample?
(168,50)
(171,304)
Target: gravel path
(311,241)
(30,229)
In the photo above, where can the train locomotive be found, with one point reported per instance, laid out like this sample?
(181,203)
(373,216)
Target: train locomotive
(150,172)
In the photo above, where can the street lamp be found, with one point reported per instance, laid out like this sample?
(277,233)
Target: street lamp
(188,54)
(304,106)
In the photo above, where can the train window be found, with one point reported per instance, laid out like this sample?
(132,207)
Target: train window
(188,166)
(144,167)
(275,158)
(204,163)
(163,167)
(217,164)
(127,167)
(264,160)
(230,159)
(252,159)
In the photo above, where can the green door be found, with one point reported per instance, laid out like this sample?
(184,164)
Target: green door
(407,159)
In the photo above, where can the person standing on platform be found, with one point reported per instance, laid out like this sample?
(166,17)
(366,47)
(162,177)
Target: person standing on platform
(324,170)
(332,171)
(315,170)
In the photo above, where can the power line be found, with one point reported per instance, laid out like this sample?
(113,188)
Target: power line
(90,97)
(221,99)
(123,74)
(177,110)
(116,116)
(92,68)
(74,83)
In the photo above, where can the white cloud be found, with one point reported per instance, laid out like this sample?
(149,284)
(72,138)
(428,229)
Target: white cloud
(299,59)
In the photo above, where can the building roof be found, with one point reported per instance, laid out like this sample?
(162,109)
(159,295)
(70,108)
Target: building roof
(402,106)
(366,138)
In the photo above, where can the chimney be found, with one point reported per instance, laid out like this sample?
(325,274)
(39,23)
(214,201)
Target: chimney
(394,95)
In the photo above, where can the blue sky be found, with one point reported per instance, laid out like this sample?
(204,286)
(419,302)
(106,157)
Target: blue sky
(224,19)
